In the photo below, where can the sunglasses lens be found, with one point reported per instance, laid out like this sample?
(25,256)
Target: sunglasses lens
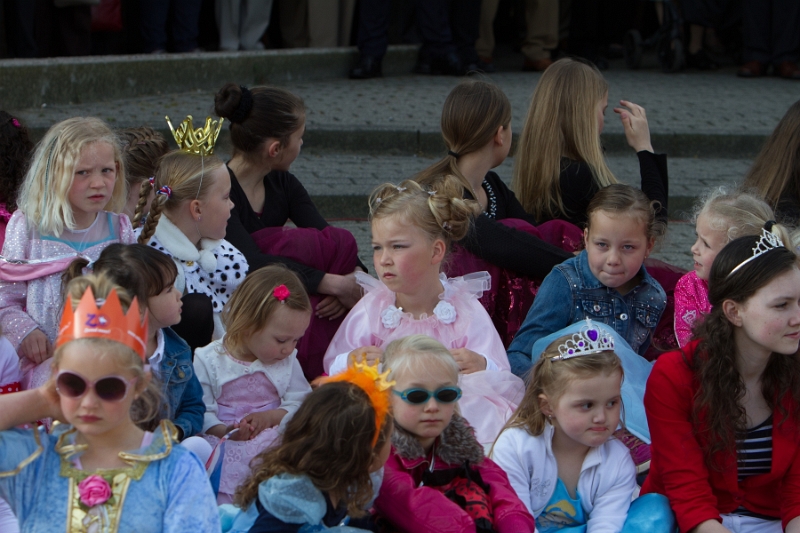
(110,389)
(447,395)
(417,396)
(70,385)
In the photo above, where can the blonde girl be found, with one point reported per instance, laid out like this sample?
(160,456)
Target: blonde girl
(65,209)
(719,218)
(559,164)
(187,221)
(433,446)
(412,231)
(141,148)
(559,450)
(98,466)
(251,378)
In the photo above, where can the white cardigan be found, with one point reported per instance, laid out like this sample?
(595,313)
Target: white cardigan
(606,483)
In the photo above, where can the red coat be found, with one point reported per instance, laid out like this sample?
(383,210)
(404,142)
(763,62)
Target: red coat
(678,469)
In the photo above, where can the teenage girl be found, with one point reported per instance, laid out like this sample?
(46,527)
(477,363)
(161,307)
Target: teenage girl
(559,451)
(720,218)
(65,209)
(267,126)
(187,221)
(16,147)
(436,462)
(251,378)
(328,467)
(98,469)
(559,163)
(412,231)
(724,411)
(141,148)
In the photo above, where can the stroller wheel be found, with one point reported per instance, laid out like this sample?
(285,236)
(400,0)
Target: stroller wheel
(633,49)
(671,55)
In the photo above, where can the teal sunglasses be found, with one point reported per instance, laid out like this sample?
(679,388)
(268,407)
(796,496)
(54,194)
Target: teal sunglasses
(420,396)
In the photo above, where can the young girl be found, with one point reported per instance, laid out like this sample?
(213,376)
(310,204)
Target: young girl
(187,221)
(328,467)
(559,451)
(16,146)
(720,218)
(436,462)
(267,126)
(150,275)
(725,410)
(251,378)
(76,174)
(141,148)
(10,378)
(412,230)
(98,471)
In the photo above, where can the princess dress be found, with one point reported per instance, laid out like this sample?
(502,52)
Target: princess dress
(459,321)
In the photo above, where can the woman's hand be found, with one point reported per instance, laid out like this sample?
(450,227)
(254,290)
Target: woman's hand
(368,354)
(634,121)
(468,361)
(36,347)
(331,308)
(344,288)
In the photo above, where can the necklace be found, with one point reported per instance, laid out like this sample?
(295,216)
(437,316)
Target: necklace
(491,200)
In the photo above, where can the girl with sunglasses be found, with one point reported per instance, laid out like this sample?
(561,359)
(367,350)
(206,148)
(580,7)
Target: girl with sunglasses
(437,478)
(98,471)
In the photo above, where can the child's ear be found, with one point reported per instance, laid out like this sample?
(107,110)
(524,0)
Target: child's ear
(274,148)
(731,311)
(650,244)
(439,251)
(194,209)
(499,136)
(544,405)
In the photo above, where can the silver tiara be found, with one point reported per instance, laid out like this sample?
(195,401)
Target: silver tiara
(589,340)
(768,241)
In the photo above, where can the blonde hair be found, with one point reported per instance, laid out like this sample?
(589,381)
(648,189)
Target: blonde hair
(44,196)
(418,354)
(561,122)
(253,302)
(621,199)
(472,112)
(188,177)
(439,210)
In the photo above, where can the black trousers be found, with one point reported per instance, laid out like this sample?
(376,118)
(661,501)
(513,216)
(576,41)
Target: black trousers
(771,30)
(182,17)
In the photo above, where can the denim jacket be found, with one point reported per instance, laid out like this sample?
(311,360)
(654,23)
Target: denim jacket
(180,385)
(571,293)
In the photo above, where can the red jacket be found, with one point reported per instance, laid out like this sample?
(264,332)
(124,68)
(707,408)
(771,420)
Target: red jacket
(678,469)
(416,509)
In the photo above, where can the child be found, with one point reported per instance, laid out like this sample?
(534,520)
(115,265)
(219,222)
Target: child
(16,146)
(436,461)
(150,276)
(251,378)
(187,221)
(267,127)
(9,382)
(141,148)
(98,471)
(559,451)
(412,230)
(721,217)
(75,175)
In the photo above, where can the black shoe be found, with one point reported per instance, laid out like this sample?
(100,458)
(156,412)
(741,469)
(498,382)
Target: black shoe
(450,65)
(366,68)
(701,61)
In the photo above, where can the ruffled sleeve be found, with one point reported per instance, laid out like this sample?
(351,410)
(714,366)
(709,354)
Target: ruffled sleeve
(473,284)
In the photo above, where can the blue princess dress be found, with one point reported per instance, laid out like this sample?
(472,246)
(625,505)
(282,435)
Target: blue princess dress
(165,489)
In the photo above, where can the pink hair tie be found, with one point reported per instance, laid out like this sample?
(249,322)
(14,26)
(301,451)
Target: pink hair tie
(16,123)
(165,190)
(281,293)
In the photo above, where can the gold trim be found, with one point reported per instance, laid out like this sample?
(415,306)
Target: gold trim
(28,460)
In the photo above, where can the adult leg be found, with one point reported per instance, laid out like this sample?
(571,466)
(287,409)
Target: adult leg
(541,18)
(465,17)
(437,53)
(785,30)
(228,24)
(153,20)
(254,23)
(485,43)
(756,30)
(20,27)
(323,23)
(185,23)
(294,23)
(373,38)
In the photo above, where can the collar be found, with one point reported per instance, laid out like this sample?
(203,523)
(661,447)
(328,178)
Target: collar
(456,444)
(158,354)
(594,457)
(589,280)
(181,248)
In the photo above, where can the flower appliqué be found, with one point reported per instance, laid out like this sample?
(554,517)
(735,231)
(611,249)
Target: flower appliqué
(445,312)
(391,316)
(94,490)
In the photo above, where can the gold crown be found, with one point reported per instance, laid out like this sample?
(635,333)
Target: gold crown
(198,141)
(104,321)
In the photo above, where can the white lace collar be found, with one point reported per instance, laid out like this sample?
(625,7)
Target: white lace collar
(444,311)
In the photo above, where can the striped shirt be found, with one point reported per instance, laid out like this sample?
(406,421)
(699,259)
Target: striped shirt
(754,451)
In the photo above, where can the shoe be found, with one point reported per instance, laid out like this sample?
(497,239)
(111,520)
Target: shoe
(366,68)
(539,65)
(640,451)
(449,65)
(788,70)
(751,69)
(701,61)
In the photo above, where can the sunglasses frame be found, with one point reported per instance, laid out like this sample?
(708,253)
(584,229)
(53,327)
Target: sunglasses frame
(91,385)
(431,394)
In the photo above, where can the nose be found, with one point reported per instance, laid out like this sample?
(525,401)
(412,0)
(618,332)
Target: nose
(695,247)
(599,416)
(385,256)
(795,319)
(431,406)
(613,257)
(90,400)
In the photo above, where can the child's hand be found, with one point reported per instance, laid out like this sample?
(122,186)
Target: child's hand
(245,431)
(36,347)
(52,400)
(331,308)
(634,121)
(370,354)
(262,420)
(468,361)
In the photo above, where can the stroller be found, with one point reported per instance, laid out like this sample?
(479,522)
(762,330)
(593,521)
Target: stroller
(667,42)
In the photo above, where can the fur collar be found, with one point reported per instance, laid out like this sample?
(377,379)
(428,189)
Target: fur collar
(456,444)
(181,248)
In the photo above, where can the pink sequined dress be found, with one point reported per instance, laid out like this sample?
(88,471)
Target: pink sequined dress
(458,321)
(691,304)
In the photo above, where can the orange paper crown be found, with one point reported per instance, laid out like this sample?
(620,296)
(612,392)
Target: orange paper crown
(367,378)
(106,321)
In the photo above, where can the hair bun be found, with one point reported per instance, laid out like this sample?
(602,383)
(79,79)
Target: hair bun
(244,107)
(228,100)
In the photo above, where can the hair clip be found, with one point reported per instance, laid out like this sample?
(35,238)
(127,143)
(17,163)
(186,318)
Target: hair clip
(768,241)
(15,123)
(400,189)
(589,340)
(378,200)
(166,190)
(152,180)
(431,193)
(446,226)
(281,293)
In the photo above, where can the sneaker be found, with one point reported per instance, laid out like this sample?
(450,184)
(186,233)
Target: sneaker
(640,451)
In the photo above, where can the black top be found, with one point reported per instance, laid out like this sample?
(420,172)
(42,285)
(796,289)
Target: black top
(578,185)
(506,247)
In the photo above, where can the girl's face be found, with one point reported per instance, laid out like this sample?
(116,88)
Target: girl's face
(587,413)
(600,111)
(92,182)
(616,246)
(404,256)
(277,340)
(215,207)
(426,421)
(708,244)
(291,150)
(164,309)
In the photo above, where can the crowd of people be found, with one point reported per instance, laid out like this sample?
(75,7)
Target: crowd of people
(175,357)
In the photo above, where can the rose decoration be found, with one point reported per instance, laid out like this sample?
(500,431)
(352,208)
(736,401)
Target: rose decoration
(391,316)
(94,490)
(281,293)
(445,312)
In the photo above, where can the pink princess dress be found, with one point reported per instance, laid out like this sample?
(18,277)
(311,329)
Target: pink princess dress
(233,389)
(458,321)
